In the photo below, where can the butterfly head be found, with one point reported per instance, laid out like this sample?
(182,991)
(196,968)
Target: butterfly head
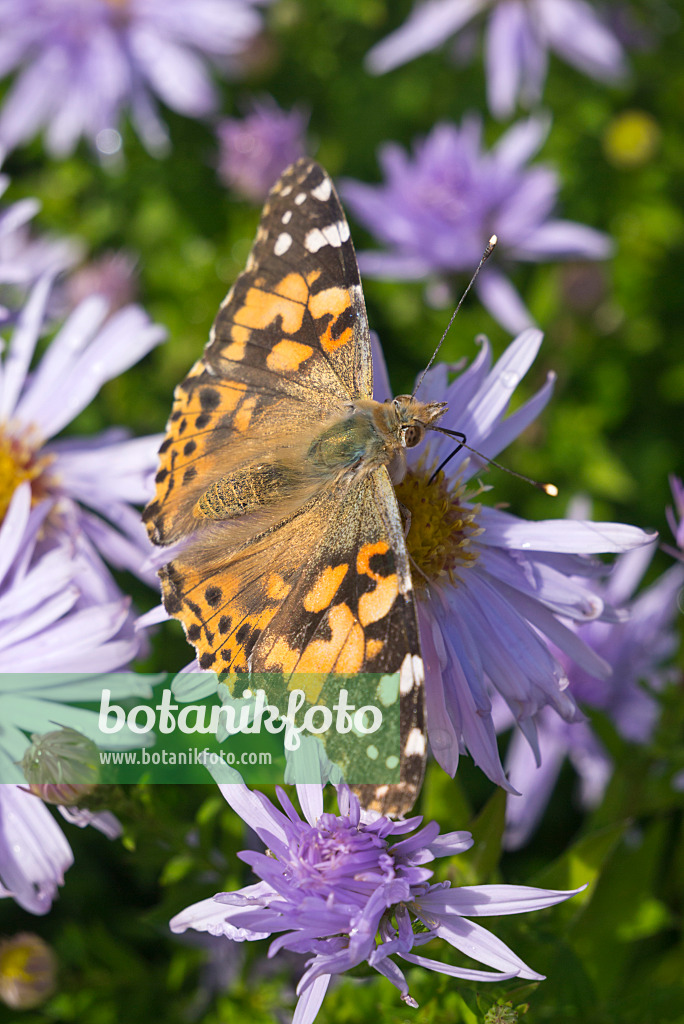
(411,418)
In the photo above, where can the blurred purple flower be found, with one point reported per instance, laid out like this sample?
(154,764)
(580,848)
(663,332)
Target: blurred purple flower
(61,626)
(519,35)
(257,148)
(494,592)
(84,61)
(25,257)
(105,473)
(675,516)
(636,649)
(111,275)
(349,888)
(438,209)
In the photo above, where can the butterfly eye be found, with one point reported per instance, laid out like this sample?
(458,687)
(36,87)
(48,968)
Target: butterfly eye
(413,434)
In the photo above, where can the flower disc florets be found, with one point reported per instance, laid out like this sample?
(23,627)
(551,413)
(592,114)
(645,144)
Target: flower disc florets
(443,525)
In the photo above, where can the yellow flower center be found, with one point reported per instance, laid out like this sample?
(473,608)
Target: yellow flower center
(443,526)
(21,461)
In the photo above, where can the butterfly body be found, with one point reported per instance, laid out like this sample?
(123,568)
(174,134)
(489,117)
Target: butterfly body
(277,474)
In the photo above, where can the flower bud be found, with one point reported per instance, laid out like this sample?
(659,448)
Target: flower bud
(27,971)
(61,767)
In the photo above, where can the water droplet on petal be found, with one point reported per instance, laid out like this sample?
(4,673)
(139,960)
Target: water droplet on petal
(509,379)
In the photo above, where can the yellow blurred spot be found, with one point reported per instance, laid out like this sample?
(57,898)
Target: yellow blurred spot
(631,139)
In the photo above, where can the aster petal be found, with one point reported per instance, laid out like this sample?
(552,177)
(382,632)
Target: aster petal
(429,24)
(508,38)
(175,74)
(573,29)
(564,239)
(493,900)
(535,779)
(33,851)
(444,738)
(501,299)
(259,817)
(477,942)
(566,535)
(465,973)
(124,339)
(451,844)
(213,917)
(13,527)
(524,139)
(22,347)
(562,637)
(393,266)
(495,394)
(31,100)
(311,800)
(310,1001)
(104,821)
(511,427)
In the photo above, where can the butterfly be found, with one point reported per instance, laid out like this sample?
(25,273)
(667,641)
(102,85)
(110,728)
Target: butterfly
(277,472)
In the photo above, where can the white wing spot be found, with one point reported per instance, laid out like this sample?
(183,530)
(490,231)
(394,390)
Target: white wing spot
(287,217)
(314,240)
(372,752)
(299,199)
(410,674)
(323,190)
(283,243)
(415,744)
(391,762)
(332,234)
(286,191)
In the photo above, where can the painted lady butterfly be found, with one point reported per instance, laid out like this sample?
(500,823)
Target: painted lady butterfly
(278,468)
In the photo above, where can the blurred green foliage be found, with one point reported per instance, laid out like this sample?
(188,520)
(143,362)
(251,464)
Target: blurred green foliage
(614,335)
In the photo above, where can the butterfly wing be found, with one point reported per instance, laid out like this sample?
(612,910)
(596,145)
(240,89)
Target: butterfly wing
(289,346)
(325,592)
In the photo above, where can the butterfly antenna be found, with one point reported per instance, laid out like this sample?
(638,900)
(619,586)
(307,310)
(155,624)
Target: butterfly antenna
(485,256)
(460,437)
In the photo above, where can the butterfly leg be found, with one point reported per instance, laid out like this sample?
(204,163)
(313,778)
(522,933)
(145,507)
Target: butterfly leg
(406,516)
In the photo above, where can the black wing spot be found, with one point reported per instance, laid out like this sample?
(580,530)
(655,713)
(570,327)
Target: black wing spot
(189,474)
(189,448)
(213,596)
(207,659)
(209,399)
(202,420)
(194,632)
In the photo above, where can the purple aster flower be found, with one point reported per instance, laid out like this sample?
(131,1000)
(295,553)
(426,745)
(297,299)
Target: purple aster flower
(494,592)
(439,207)
(634,649)
(24,257)
(519,35)
(258,147)
(96,479)
(347,889)
(82,62)
(62,624)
